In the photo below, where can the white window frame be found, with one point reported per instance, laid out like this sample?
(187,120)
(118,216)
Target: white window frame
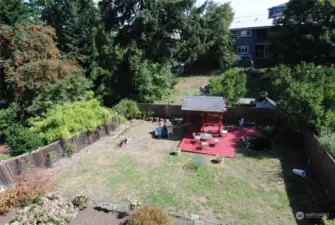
(239,33)
(265,52)
(246,50)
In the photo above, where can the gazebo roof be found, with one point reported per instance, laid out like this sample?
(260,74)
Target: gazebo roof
(203,104)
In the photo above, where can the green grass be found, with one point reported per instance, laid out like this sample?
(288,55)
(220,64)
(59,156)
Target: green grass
(176,184)
(5,156)
(176,96)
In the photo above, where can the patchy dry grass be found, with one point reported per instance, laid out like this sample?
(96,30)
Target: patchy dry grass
(246,190)
(186,86)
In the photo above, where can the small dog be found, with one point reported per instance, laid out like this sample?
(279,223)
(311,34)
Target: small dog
(123,143)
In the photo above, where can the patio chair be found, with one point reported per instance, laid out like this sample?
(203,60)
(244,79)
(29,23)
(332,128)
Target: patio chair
(195,137)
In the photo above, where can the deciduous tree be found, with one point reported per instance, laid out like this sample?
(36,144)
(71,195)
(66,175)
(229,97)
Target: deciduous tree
(306,33)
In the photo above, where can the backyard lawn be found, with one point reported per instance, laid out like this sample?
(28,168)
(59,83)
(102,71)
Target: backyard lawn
(249,189)
(186,86)
(190,86)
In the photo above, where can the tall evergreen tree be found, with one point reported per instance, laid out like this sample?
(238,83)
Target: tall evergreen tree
(12,11)
(75,22)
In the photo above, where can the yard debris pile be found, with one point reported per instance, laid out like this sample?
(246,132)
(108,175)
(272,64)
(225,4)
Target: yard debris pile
(52,209)
(256,142)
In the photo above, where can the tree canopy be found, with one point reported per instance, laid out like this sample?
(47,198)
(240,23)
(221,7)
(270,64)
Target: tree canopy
(307,95)
(36,75)
(12,12)
(306,32)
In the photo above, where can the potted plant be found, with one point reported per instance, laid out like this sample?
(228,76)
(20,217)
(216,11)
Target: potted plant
(151,115)
(177,151)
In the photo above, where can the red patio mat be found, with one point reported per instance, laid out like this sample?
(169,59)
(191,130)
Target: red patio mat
(226,147)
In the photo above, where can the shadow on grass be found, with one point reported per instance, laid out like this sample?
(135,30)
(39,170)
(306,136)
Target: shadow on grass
(305,194)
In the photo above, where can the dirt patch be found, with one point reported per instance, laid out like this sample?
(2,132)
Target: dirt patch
(91,216)
(191,82)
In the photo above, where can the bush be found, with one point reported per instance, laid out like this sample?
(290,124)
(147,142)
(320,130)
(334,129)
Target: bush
(21,140)
(20,196)
(8,118)
(80,202)
(327,221)
(232,85)
(306,95)
(151,81)
(327,140)
(64,121)
(127,108)
(149,215)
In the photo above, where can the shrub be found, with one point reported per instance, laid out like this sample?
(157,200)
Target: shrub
(127,108)
(19,196)
(80,202)
(8,118)
(306,95)
(327,140)
(327,221)
(149,215)
(64,121)
(231,85)
(21,140)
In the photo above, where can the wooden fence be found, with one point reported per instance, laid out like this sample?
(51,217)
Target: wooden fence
(323,163)
(231,116)
(47,155)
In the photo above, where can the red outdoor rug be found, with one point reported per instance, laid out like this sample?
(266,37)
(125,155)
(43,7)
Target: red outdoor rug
(226,146)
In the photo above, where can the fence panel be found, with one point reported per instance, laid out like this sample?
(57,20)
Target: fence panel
(323,163)
(232,115)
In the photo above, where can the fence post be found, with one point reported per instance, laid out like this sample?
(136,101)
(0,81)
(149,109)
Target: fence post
(166,110)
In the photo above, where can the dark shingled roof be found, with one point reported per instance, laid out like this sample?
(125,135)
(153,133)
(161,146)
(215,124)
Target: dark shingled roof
(203,104)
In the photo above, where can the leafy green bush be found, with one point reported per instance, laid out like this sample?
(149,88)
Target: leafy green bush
(306,95)
(8,119)
(232,85)
(149,215)
(21,140)
(64,121)
(152,81)
(327,221)
(327,140)
(127,108)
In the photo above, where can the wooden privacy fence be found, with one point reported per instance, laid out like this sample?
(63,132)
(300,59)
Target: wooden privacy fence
(323,163)
(47,155)
(231,116)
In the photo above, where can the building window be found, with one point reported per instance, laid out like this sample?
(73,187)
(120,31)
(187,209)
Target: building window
(244,33)
(262,51)
(243,50)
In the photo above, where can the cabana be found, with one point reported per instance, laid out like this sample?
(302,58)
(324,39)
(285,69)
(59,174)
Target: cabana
(211,110)
(205,137)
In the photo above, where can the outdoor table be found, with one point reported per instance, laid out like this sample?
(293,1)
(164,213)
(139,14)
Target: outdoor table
(206,136)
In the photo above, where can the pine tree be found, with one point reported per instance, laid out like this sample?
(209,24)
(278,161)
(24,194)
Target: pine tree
(75,22)
(12,12)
